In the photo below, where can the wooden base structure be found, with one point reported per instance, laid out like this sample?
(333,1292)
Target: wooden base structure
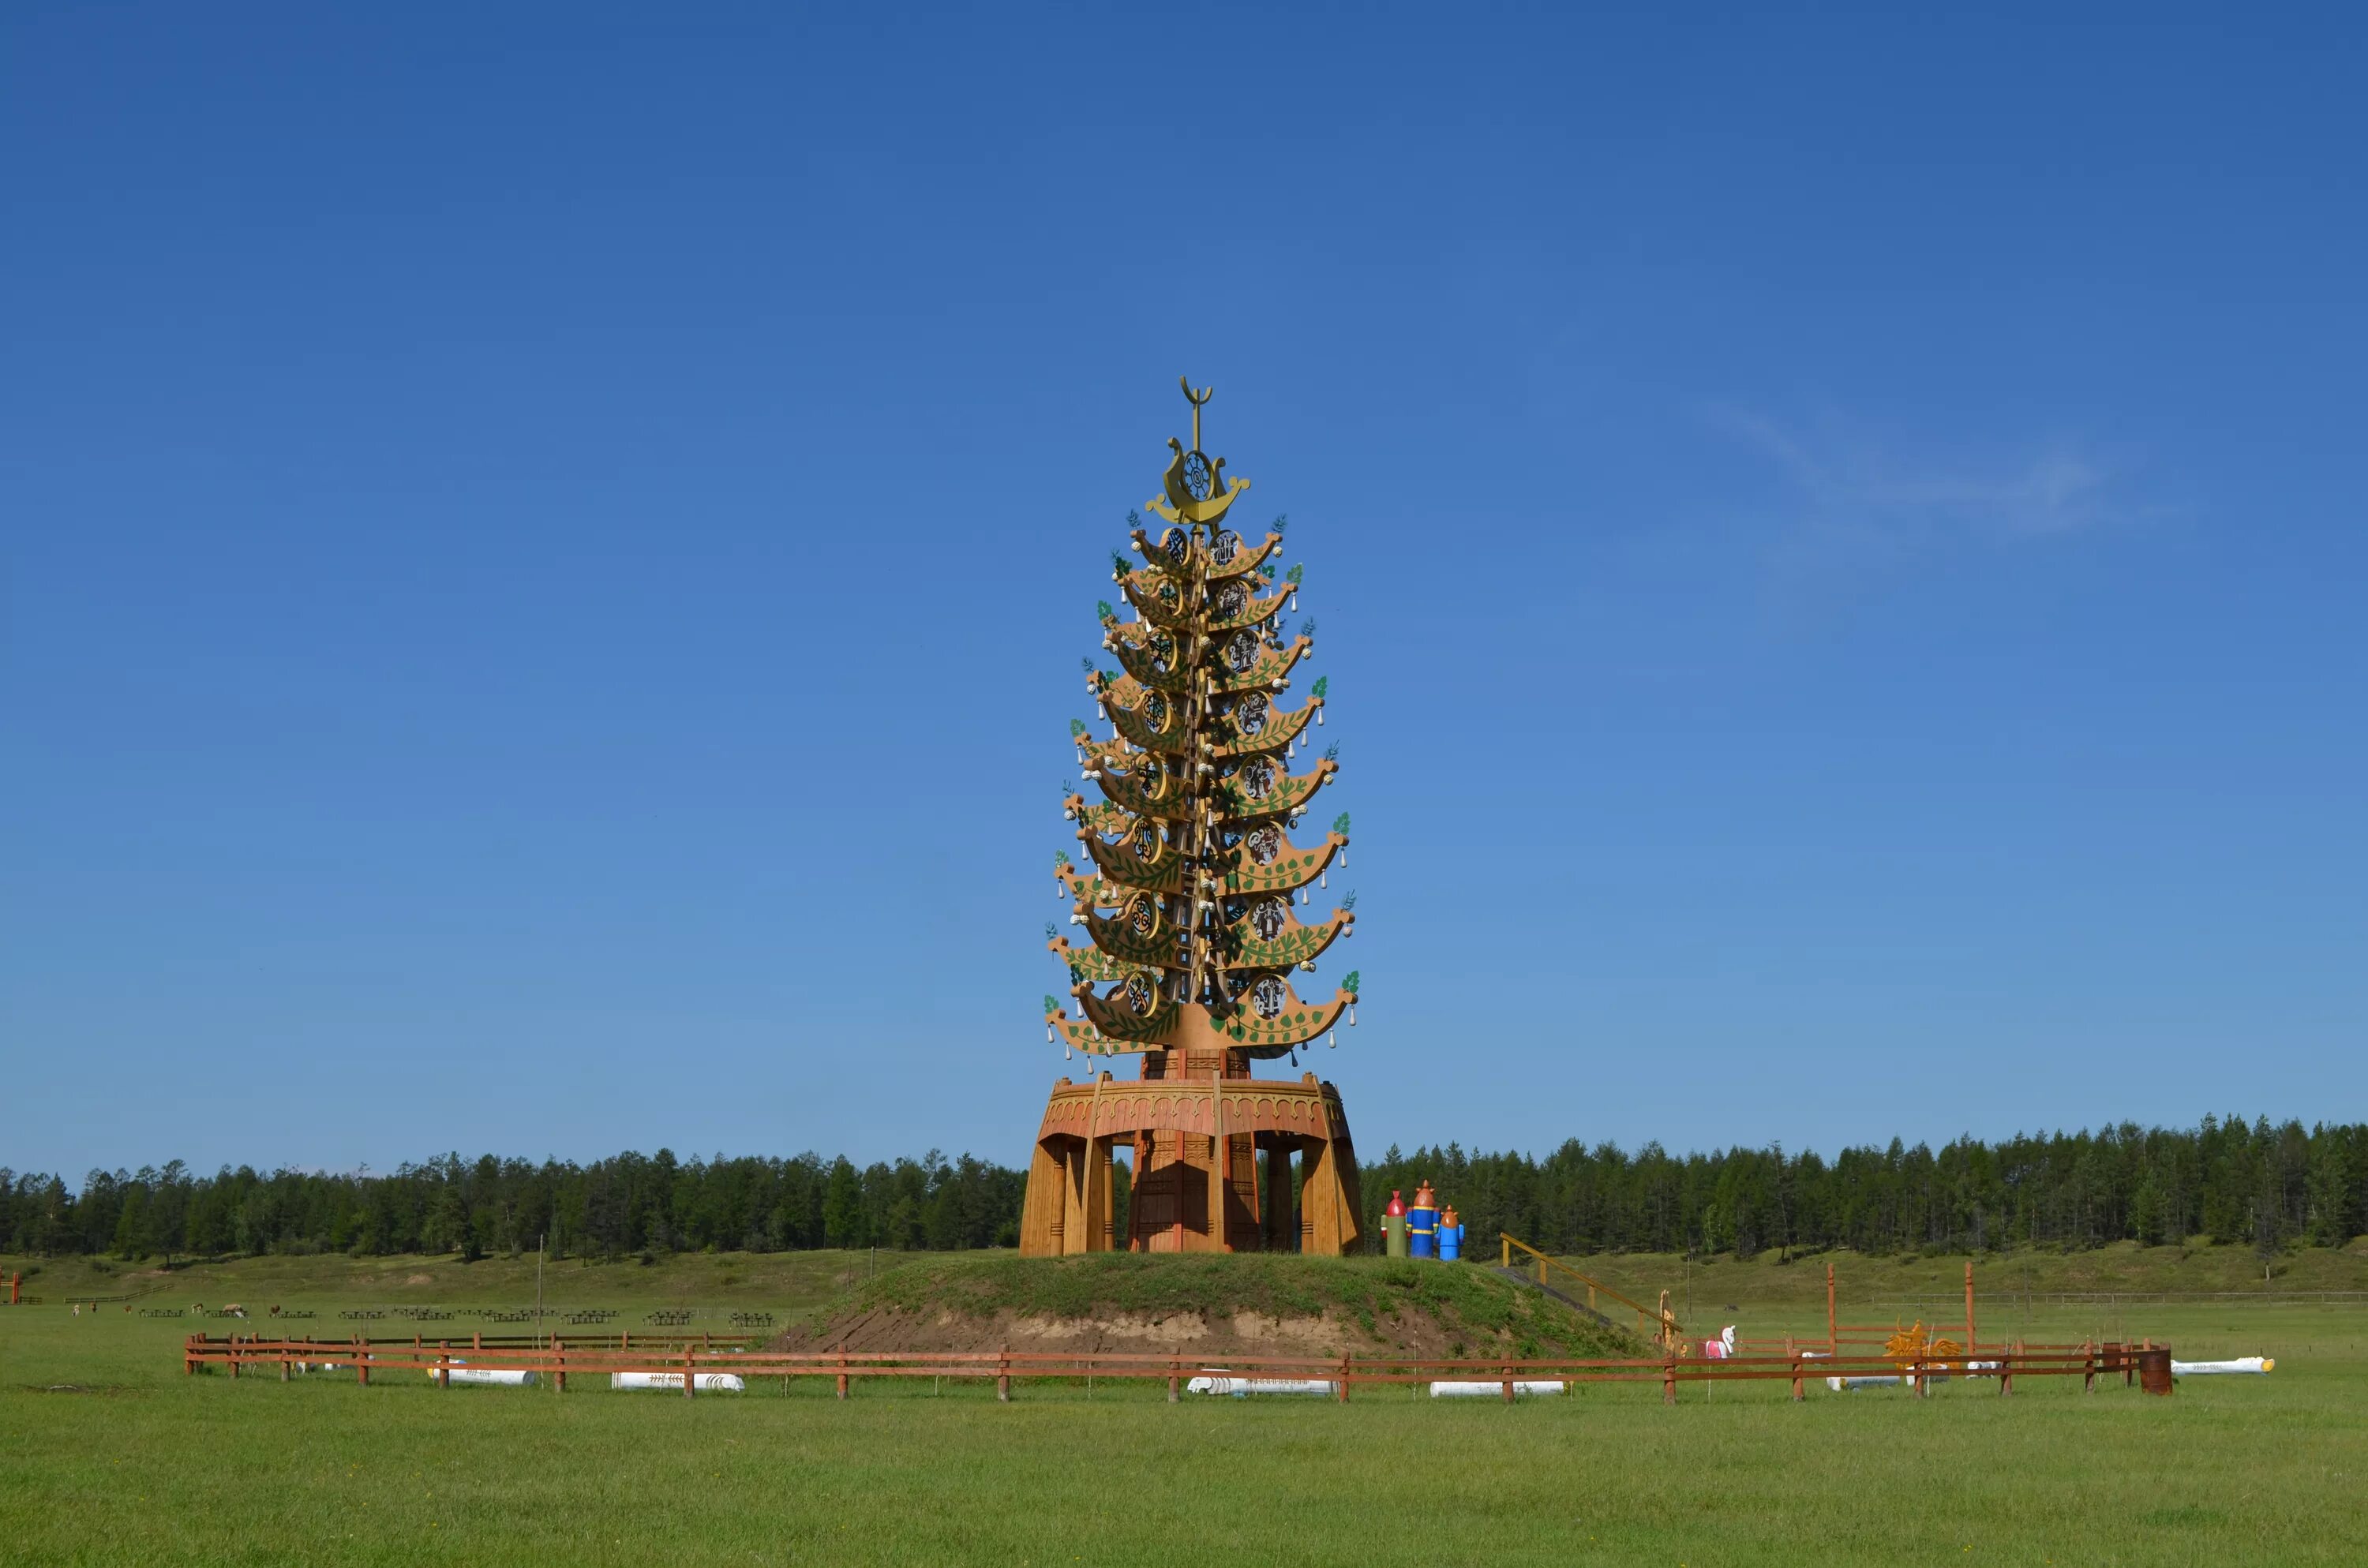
(1212,1163)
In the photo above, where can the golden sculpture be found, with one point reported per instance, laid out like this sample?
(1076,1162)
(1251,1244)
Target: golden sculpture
(1186,894)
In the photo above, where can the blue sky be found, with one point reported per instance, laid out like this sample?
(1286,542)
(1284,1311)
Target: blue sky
(547,554)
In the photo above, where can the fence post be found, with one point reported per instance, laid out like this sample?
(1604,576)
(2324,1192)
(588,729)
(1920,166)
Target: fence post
(443,1363)
(361,1362)
(1509,1382)
(1344,1376)
(559,1363)
(477,1339)
(2088,1363)
(1175,1373)
(2006,1367)
(1509,1247)
(690,1372)
(284,1373)
(1669,1378)
(1003,1376)
(1969,1311)
(842,1374)
(2130,1363)
(235,1355)
(1792,1354)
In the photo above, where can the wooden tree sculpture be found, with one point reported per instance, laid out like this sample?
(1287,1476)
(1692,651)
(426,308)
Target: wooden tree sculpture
(1186,893)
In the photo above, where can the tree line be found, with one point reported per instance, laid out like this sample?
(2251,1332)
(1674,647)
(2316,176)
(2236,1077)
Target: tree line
(2227,1179)
(614,1208)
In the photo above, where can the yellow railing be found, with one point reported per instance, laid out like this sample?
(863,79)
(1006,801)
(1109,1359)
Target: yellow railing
(1654,1324)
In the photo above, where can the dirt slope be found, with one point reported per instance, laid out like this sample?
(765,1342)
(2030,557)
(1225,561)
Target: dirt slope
(1204,1307)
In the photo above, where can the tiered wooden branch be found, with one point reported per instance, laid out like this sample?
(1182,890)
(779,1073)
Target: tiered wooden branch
(1184,889)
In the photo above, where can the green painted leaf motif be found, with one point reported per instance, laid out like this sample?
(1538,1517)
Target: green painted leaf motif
(1349,984)
(1052,1005)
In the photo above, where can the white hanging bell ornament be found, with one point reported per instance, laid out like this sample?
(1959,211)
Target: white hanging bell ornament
(1336,1040)
(1352,1014)
(1322,877)
(1319,715)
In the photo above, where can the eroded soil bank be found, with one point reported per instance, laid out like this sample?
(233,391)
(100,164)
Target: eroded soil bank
(1204,1307)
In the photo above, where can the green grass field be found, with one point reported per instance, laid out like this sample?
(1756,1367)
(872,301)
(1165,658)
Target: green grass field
(107,1455)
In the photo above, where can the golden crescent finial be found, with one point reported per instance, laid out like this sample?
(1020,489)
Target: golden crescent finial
(1196,400)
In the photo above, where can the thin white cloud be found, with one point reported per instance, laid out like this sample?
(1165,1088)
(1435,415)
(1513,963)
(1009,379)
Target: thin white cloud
(1846,483)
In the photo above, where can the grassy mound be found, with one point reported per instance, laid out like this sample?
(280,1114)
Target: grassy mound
(1359,1306)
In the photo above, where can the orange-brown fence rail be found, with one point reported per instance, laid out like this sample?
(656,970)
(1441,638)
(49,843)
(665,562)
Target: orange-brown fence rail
(1653,1324)
(556,1360)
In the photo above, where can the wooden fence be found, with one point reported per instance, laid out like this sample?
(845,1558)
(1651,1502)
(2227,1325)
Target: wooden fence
(1654,1325)
(689,1357)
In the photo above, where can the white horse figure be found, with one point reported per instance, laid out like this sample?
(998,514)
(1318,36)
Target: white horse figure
(1721,1347)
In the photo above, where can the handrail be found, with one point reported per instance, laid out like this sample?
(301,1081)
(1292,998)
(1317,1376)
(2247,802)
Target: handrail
(1670,1333)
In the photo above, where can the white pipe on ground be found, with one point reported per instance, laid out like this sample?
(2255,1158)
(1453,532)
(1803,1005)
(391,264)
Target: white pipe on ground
(2256,1364)
(708,1382)
(1492,1390)
(489,1375)
(1840,1384)
(1240,1387)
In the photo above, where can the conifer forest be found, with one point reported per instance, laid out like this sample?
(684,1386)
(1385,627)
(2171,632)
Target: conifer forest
(2227,1179)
